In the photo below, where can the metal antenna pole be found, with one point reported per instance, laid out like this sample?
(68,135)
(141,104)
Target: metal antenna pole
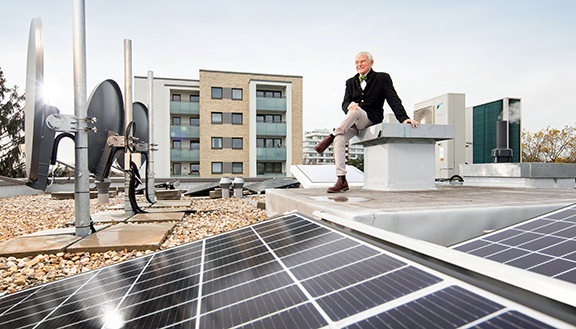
(150,173)
(128,211)
(81,179)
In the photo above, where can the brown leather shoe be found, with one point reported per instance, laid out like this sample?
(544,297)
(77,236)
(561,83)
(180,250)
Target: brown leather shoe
(340,186)
(323,145)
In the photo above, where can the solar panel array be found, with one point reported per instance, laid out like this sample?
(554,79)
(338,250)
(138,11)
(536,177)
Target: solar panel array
(544,245)
(288,272)
(260,187)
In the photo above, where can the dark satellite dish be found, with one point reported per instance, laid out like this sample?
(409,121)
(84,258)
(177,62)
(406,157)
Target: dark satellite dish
(106,105)
(140,118)
(38,138)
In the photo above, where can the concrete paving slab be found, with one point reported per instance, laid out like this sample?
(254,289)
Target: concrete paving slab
(157,217)
(34,245)
(124,236)
(158,204)
(67,230)
(446,215)
(116,216)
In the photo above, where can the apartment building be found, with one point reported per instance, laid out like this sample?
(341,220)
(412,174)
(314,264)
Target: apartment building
(225,124)
(311,157)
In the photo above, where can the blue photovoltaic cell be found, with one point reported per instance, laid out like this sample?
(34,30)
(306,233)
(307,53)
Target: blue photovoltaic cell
(543,245)
(512,320)
(288,272)
(448,308)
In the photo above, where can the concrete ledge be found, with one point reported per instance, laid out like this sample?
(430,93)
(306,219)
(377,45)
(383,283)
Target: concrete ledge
(533,175)
(445,216)
(519,170)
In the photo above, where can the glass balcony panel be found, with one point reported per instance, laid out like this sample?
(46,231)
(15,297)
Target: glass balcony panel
(271,154)
(270,129)
(179,155)
(184,108)
(185,131)
(271,104)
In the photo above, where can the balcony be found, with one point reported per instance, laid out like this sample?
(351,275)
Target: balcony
(184,155)
(271,104)
(270,129)
(184,107)
(271,154)
(184,132)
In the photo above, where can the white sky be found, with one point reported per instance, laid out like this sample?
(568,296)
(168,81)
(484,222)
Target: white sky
(485,49)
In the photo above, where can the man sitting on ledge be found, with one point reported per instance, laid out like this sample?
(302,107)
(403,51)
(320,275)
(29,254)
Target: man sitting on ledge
(364,106)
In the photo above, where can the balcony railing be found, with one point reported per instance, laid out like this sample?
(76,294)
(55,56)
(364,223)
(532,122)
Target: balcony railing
(271,154)
(184,132)
(184,155)
(271,104)
(271,129)
(184,107)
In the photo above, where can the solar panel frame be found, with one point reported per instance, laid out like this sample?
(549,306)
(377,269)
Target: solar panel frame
(229,280)
(543,245)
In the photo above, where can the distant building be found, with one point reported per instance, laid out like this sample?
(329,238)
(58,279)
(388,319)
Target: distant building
(225,124)
(311,157)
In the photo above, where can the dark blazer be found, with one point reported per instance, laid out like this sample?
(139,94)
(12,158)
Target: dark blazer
(379,88)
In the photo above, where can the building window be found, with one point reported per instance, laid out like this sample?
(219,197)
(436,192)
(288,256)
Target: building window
(216,142)
(216,117)
(194,169)
(264,168)
(194,98)
(268,94)
(194,121)
(177,168)
(237,167)
(176,97)
(269,118)
(237,118)
(194,145)
(237,94)
(217,92)
(216,167)
(236,143)
(176,145)
(176,121)
(269,142)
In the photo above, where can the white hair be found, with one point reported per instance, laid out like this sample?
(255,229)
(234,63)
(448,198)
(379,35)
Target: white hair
(370,58)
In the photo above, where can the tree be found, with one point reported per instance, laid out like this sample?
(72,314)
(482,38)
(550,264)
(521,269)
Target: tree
(550,145)
(358,163)
(11,130)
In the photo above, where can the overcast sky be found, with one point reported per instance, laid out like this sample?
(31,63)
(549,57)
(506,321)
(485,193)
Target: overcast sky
(485,49)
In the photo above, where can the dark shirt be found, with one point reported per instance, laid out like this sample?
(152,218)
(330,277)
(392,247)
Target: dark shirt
(379,88)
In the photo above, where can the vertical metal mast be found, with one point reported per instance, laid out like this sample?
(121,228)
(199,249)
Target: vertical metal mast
(128,211)
(151,145)
(81,179)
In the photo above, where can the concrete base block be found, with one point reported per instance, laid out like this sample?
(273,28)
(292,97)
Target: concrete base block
(168,194)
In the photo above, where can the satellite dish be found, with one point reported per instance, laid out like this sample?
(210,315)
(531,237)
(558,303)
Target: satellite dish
(106,105)
(140,118)
(38,138)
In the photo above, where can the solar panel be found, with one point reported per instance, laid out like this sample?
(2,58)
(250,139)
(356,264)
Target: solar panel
(287,272)
(260,187)
(544,245)
(200,189)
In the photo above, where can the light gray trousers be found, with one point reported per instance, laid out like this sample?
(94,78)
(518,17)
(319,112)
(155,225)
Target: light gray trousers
(354,121)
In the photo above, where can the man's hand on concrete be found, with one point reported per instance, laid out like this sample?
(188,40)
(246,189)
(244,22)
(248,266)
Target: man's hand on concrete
(412,122)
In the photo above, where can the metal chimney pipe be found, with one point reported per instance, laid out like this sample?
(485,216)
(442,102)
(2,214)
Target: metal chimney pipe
(502,153)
